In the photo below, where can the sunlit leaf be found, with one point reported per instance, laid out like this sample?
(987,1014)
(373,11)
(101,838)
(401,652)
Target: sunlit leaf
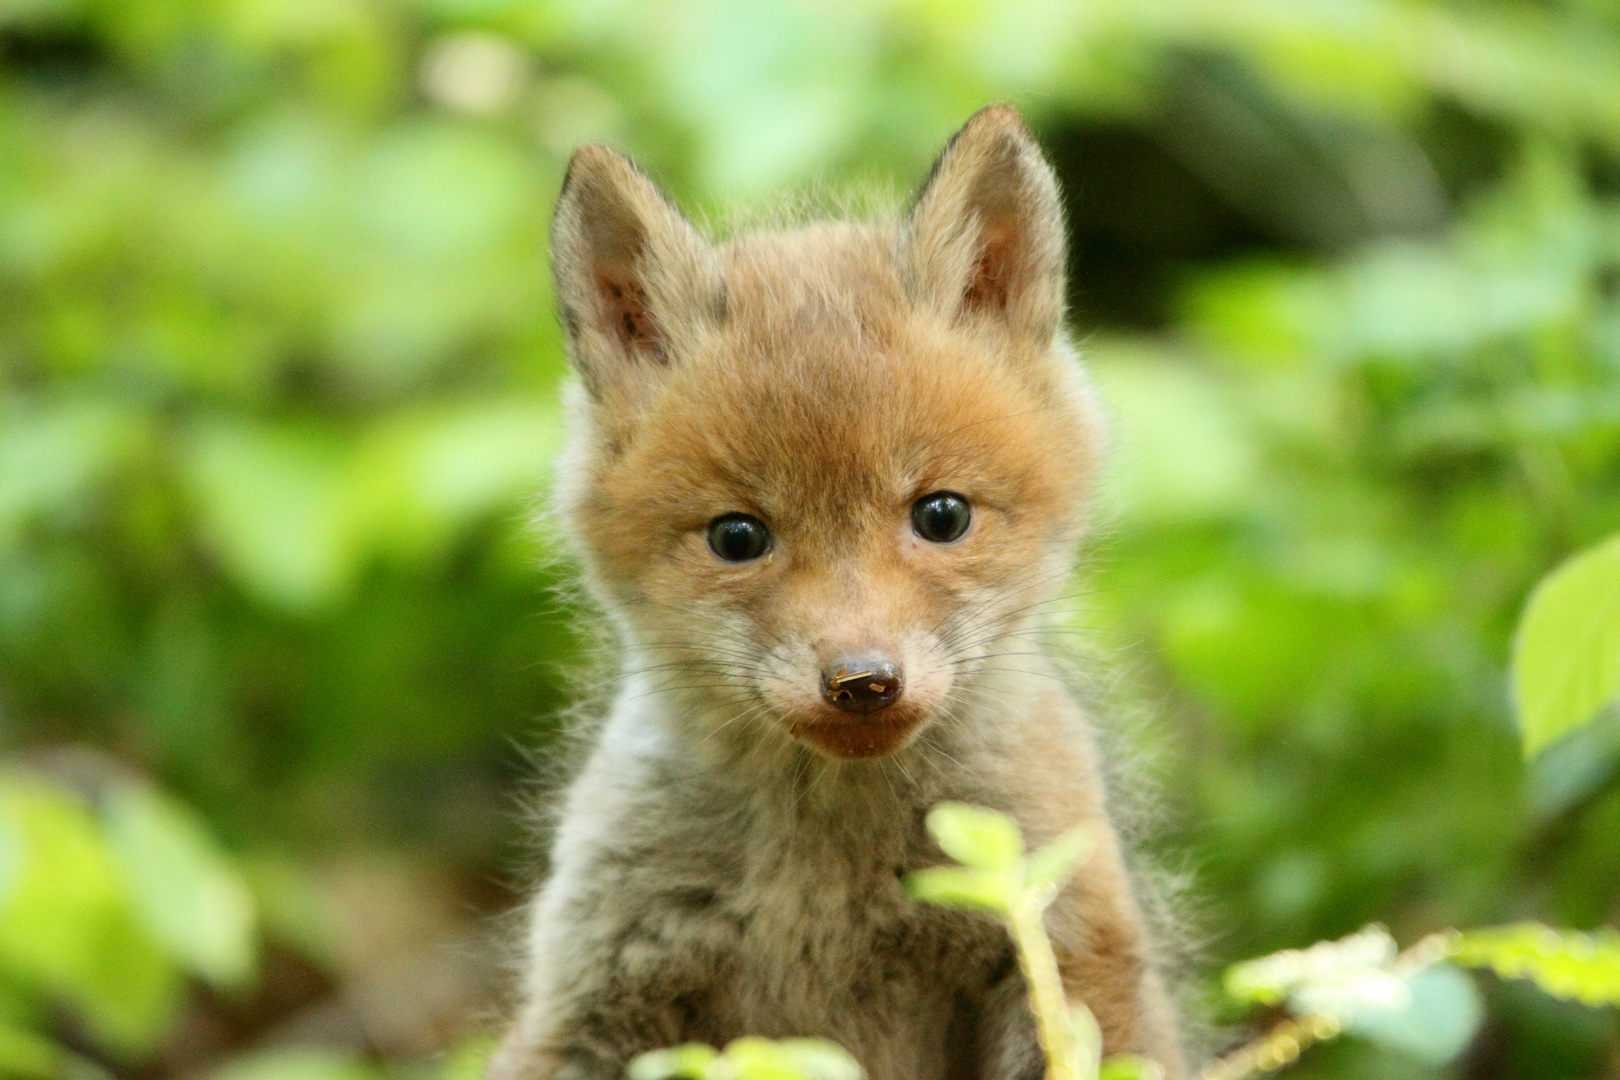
(1434,1019)
(687,1061)
(750,1058)
(787,1059)
(430,473)
(1054,863)
(962,886)
(1566,657)
(1271,979)
(1130,1067)
(1576,766)
(976,837)
(1582,967)
(184,885)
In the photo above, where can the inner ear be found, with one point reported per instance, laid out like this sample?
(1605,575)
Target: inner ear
(636,285)
(988,283)
(984,240)
(624,303)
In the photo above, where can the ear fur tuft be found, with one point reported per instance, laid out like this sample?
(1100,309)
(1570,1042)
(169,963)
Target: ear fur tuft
(984,238)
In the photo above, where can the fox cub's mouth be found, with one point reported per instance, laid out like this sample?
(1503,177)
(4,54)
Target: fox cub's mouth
(860,736)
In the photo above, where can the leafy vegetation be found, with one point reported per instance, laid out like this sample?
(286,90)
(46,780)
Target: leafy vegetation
(1412,1000)
(277,388)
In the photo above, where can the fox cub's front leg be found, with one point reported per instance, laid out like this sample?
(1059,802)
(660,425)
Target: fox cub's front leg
(591,1014)
(1102,959)
(590,1043)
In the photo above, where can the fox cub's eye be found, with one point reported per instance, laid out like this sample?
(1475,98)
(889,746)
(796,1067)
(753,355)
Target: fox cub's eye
(738,537)
(941,517)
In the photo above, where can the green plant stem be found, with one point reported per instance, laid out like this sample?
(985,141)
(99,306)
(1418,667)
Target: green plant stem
(1051,1005)
(1279,1047)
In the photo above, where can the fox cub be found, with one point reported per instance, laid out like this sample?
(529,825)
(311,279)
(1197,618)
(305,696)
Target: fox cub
(826,484)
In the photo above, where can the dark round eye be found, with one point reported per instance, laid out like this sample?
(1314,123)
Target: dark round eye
(941,517)
(738,537)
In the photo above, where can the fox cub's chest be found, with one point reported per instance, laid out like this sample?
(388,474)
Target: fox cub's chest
(831,945)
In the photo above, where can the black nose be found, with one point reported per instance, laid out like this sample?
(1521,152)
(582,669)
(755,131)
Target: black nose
(862,684)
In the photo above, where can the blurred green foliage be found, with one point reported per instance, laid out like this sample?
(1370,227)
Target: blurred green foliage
(277,388)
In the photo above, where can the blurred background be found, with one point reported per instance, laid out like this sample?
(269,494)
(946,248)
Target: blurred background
(279,667)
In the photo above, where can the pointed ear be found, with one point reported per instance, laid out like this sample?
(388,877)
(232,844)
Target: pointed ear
(636,284)
(984,240)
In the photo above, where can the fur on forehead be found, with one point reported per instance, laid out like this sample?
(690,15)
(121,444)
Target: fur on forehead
(817,410)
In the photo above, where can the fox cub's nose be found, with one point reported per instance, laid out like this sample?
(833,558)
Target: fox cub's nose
(862,684)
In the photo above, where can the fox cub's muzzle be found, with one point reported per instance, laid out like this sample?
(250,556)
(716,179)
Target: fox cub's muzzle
(862,684)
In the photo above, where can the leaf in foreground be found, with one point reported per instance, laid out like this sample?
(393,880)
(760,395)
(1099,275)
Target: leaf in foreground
(750,1058)
(1566,654)
(975,837)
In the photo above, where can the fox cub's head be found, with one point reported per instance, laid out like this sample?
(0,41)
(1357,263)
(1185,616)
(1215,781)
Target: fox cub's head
(825,480)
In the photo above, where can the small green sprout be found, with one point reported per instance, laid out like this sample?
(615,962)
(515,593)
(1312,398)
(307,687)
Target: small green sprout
(996,876)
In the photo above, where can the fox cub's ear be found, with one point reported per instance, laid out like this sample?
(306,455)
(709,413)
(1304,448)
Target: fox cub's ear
(985,236)
(636,284)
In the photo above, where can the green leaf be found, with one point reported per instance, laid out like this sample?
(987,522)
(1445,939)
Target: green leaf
(1269,980)
(1434,1020)
(789,1059)
(68,930)
(1054,864)
(184,885)
(976,837)
(750,1058)
(1582,967)
(687,1061)
(1576,767)
(1130,1067)
(961,886)
(428,473)
(1566,656)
